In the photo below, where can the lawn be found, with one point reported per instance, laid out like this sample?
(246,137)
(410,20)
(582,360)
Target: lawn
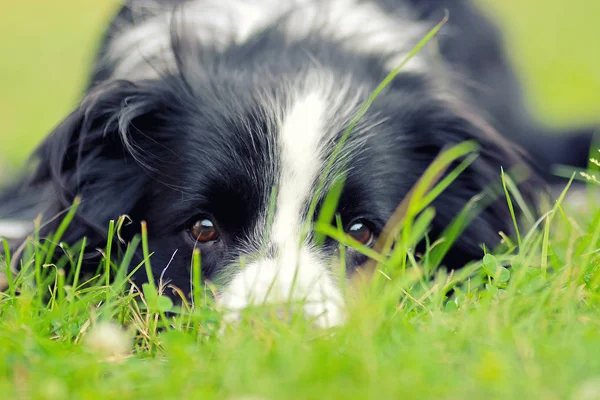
(529,331)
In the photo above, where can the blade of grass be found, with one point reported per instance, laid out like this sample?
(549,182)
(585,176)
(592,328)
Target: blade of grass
(516,194)
(342,257)
(76,275)
(510,207)
(545,248)
(448,179)
(62,228)
(329,207)
(146,252)
(420,228)
(107,254)
(8,271)
(196,279)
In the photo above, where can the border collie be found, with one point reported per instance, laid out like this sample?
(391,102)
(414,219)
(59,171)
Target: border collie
(213,120)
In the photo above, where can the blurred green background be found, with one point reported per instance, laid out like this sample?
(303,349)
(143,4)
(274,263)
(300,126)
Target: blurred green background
(46,48)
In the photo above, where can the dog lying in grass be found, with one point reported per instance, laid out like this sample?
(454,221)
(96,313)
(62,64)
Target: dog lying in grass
(230,127)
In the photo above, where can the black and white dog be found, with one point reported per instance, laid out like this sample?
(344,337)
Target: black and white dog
(213,121)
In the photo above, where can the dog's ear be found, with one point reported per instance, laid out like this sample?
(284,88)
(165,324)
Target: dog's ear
(482,181)
(100,153)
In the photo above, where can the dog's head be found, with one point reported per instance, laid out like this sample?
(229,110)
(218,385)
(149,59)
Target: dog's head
(225,154)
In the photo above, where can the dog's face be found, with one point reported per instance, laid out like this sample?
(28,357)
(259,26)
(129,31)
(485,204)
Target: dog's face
(227,159)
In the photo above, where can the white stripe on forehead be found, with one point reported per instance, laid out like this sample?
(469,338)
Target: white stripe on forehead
(300,136)
(296,271)
(360,26)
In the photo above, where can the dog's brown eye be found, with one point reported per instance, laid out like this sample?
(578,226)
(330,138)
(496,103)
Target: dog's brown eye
(361,231)
(204,231)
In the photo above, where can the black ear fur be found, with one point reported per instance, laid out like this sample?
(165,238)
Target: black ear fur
(491,214)
(97,153)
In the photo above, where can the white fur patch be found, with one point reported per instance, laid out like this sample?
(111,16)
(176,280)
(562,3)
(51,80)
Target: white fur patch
(14,229)
(300,136)
(295,273)
(360,26)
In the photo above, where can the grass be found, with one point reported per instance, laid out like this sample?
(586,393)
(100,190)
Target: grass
(523,322)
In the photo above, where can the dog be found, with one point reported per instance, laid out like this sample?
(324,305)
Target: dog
(214,120)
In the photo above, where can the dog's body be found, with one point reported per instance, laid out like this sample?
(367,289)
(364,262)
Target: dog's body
(217,118)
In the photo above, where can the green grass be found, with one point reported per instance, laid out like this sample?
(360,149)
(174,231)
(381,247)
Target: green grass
(521,323)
